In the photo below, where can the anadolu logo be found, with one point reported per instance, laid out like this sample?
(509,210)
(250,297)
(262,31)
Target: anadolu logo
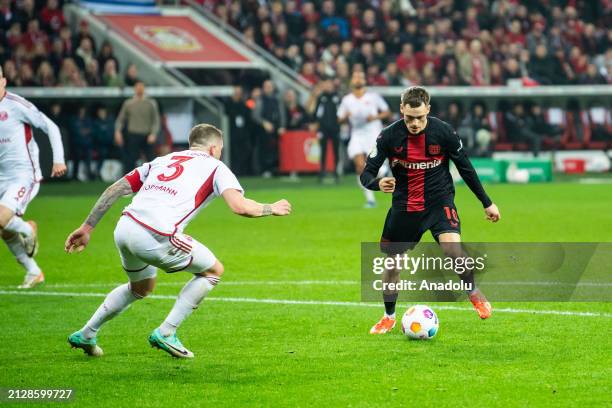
(168,38)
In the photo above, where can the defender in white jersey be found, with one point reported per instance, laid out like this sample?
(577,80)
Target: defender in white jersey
(20,176)
(364,111)
(170,191)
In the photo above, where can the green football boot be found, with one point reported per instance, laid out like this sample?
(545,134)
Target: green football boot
(171,345)
(89,346)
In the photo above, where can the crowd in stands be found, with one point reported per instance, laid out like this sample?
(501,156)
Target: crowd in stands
(37,48)
(432,42)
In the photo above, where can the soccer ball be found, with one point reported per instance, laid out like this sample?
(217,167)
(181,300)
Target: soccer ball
(420,322)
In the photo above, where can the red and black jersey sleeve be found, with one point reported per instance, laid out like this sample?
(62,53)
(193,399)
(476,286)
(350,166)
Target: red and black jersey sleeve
(456,153)
(369,178)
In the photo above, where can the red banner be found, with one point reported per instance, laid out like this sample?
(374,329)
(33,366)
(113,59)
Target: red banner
(175,39)
(300,150)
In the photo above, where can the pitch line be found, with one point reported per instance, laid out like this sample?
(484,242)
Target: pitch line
(309,302)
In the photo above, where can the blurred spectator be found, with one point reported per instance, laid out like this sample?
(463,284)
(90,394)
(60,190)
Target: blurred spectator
(84,53)
(26,76)
(70,75)
(592,77)
(241,135)
(323,107)
(296,115)
(474,66)
(81,146)
(270,115)
(392,76)
(540,125)
(475,130)
(453,115)
(131,75)
(45,75)
(519,128)
(92,73)
(103,130)
(139,121)
(105,54)
(111,77)
(52,17)
(83,32)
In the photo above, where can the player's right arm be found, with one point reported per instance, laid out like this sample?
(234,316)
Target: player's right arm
(369,178)
(78,240)
(343,113)
(251,208)
(119,123)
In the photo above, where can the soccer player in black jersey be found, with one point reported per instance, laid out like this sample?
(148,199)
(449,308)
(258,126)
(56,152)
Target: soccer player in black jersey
(418,148)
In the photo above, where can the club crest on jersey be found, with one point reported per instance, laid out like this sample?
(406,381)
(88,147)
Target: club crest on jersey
(433,149)
(3,115)
(398,149)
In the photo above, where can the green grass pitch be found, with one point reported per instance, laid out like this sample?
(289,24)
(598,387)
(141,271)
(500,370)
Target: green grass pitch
(309,352)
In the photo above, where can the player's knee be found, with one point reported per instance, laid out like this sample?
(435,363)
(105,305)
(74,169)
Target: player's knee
(452,249)
(217,270)
(5,216)
(143,288)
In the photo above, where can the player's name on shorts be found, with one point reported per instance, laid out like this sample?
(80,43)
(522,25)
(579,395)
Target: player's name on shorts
(419,286)
(157,187)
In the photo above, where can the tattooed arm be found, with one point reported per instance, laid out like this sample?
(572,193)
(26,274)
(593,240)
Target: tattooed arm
(250,208)
(78,240)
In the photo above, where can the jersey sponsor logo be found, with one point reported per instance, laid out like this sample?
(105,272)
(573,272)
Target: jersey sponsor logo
(3,115)
(423,165)
(433,149)
(157,187)
(5,140)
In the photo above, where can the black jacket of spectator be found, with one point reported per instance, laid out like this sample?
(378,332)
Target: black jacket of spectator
(325,113)
(241,136)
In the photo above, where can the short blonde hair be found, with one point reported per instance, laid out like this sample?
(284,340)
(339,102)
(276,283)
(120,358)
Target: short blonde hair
(204,135)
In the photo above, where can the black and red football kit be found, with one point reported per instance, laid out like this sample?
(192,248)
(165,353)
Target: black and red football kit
(424,191)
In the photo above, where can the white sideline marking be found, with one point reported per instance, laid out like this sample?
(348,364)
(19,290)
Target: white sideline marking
(308,302)
(319,282)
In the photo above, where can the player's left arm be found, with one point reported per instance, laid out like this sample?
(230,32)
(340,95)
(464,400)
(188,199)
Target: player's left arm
(456,152)
(34,117)
(369,178)
(383,110)
(78,240)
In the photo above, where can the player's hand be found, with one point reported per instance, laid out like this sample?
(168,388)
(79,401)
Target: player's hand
(78,240)
(492,213)
(151,139)
(387,184)
(372,118)
(58,170)
(119,139)
(281,207)
(268,126)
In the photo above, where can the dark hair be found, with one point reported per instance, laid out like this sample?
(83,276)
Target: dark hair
(415,96)
(203,134)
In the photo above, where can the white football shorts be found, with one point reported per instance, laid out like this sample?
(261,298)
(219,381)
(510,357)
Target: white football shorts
(17,194)
(142,251)
(361,144)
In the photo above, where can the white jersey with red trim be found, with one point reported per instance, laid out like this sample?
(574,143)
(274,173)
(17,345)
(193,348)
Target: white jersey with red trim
(368,104)
(18,149)
(173,189)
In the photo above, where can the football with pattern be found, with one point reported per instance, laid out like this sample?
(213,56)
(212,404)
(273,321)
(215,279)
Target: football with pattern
(420,322)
